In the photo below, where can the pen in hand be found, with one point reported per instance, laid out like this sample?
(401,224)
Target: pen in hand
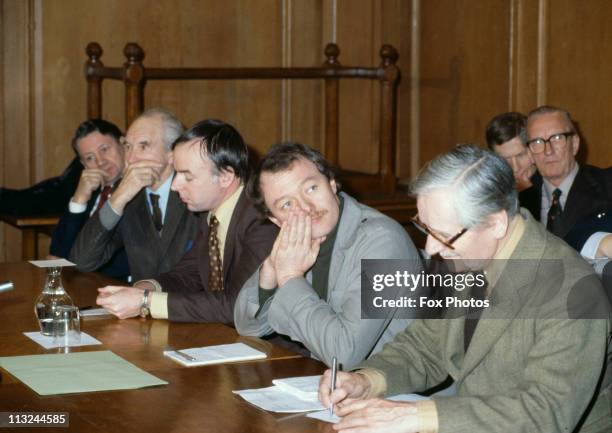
(332,385)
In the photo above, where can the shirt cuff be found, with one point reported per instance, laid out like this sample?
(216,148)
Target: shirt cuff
(108,216)
(427,414)
(590,247)
(159,305)
(378,381)
(74,207)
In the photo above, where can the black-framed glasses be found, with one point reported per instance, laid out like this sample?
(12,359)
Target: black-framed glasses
(537,145)
(448,243)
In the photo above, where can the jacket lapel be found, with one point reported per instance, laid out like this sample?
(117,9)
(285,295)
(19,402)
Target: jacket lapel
(230,237)
(581,201)
(508,297)
(174,214)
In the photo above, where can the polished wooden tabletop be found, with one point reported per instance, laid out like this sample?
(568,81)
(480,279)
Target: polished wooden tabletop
(196,399)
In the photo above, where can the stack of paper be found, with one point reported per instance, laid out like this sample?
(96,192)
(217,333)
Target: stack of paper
(294,394)
(214,354)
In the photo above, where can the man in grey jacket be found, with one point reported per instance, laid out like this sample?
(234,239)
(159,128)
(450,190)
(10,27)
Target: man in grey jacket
(308,288)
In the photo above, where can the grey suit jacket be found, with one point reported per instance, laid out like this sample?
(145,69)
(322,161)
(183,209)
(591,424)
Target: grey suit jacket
(529,367)
(148,253)
(333,327)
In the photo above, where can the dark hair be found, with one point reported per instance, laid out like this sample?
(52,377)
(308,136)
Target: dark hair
(102,126)
(222,143)
(505,127)
(280,157)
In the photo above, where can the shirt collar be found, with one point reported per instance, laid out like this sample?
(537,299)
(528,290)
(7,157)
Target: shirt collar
(496,266)
(226,209)
(565,186)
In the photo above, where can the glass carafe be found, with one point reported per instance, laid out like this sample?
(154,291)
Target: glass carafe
(52,296)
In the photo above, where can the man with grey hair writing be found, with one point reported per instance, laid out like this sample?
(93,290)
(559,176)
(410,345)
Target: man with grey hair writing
(142,214)
(533,361)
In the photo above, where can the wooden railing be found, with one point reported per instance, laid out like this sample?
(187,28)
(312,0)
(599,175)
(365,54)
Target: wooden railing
(134,75)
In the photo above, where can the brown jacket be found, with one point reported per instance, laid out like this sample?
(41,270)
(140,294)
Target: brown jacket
(249,241)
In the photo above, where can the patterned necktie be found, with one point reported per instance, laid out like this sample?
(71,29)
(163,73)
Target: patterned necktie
(103,197)
(215,274)
(554,212)
(157,215)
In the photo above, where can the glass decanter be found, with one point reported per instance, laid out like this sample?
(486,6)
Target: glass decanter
(52,296)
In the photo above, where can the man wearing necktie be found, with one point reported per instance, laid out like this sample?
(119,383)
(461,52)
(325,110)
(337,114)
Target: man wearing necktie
(96,142)
(534,360)
(142,215)
(573,201)
(211,163)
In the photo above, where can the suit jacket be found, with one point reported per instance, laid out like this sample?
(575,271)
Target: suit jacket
(47,197)
(590,195)
(529,366)
(248,242)
(334,326)
(66,232)
(148,253)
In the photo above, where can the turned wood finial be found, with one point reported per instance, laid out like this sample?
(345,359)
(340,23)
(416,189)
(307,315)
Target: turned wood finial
(388,54)
(332,52)
(94,51)
(133,52)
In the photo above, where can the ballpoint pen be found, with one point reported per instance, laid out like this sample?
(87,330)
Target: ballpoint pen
(332,385)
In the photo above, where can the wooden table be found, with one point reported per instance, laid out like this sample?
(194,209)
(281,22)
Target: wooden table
(196,399)
(30,228)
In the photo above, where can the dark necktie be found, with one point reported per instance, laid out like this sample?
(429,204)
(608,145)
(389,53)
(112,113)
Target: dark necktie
(554,212)
(103,197)
(215,274)
(157,215)
(473,315)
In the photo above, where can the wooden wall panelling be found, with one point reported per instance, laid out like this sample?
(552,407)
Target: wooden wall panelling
(465,71)
(394,26)
(16,161)
(305,42)
(358,140)
(579,68)
(524,49)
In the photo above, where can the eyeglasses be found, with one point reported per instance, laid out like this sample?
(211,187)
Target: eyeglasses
(448,243)
(537,145)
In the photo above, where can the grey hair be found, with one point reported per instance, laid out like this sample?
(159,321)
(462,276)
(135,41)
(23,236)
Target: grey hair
(547,109)
(173,128)
(483,183)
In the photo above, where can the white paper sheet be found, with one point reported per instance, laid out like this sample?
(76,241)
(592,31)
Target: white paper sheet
(215,354)
(303,387)
(48,343)
(274,399)
(57,263)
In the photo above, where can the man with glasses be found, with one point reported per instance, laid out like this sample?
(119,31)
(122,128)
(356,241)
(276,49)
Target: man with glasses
(142,215)
(573,201)
(522,364)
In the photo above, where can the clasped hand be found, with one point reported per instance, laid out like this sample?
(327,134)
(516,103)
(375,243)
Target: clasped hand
(135,177)
(121,301)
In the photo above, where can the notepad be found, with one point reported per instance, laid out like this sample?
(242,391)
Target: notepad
(303,387)
(215,354)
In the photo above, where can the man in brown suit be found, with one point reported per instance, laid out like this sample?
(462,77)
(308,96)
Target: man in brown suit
(211,164)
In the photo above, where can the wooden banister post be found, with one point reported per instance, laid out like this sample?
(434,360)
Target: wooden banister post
(94,83)
(330,150)
(388,114)
(133,77)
